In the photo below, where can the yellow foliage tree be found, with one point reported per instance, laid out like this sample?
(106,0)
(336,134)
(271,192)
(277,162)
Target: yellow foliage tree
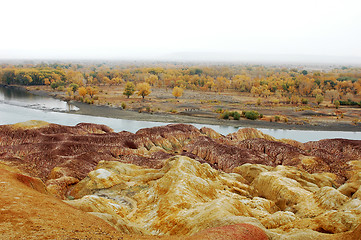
(143,89)
(82,91)
(129,89)
(177,92)
(152,79)
(91,91)
(46,81)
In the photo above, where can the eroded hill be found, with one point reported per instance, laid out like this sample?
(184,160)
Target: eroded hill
(178,180)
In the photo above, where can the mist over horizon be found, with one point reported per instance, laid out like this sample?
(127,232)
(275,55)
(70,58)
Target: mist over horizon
(280,31)
(205,57)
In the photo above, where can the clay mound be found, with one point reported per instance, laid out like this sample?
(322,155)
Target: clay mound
(171,180)
(63,155)
(223,156)
(27,212)
(249,133)
(240,231)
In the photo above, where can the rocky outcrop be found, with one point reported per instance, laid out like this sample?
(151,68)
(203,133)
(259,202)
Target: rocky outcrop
(185,197)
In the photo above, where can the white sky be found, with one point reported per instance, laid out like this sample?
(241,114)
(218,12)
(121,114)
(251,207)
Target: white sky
(151,28)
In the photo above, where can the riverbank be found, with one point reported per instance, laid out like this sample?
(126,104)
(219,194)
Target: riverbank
(194,118)
(111,112)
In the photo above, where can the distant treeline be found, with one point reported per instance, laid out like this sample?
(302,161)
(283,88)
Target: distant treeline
(279,83)
(32,76)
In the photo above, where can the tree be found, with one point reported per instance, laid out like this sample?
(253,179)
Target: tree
(82,91)
(306,85)
(91,91)
(349,96)
(152,79)
(143,89)
(316,92)
(319,99)
(221,83)
(177,92)
(117,80)
(54,85)
(129,89)
(332,94)
(46,81)
(74,87)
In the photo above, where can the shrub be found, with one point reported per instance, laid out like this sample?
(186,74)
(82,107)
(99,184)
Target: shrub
(277,118)
(253,115)
(123,105)
(304,100)
(74,87)
(88,100)
(349,102)
(236,115)
(219,110)
(319,99)
(54,85)
(225,115)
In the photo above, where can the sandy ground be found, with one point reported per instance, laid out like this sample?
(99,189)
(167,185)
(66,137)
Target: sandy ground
(199,107)
(105,111)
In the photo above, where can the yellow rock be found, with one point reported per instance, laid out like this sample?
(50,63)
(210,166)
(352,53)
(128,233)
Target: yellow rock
(249,133)
(185,197)
(30,124)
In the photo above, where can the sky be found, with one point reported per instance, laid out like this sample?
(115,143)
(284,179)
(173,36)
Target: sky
(158,29)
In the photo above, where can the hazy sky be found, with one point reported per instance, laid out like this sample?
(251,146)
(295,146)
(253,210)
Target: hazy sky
(152,28)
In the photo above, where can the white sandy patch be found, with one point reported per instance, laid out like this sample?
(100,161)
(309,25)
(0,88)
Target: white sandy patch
(102,173)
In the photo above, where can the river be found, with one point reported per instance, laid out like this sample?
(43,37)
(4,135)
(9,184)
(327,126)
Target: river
(17,105)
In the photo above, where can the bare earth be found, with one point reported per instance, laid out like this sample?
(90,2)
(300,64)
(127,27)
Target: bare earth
(200,107)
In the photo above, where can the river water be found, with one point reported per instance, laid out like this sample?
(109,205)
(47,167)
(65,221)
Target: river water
(18,106)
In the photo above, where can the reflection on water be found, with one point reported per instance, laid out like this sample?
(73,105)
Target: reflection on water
(21,98)
(11,113)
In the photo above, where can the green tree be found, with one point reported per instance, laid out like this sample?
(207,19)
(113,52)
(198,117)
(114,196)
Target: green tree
(304,72)
(129,89)
(54,85)
(74,87)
